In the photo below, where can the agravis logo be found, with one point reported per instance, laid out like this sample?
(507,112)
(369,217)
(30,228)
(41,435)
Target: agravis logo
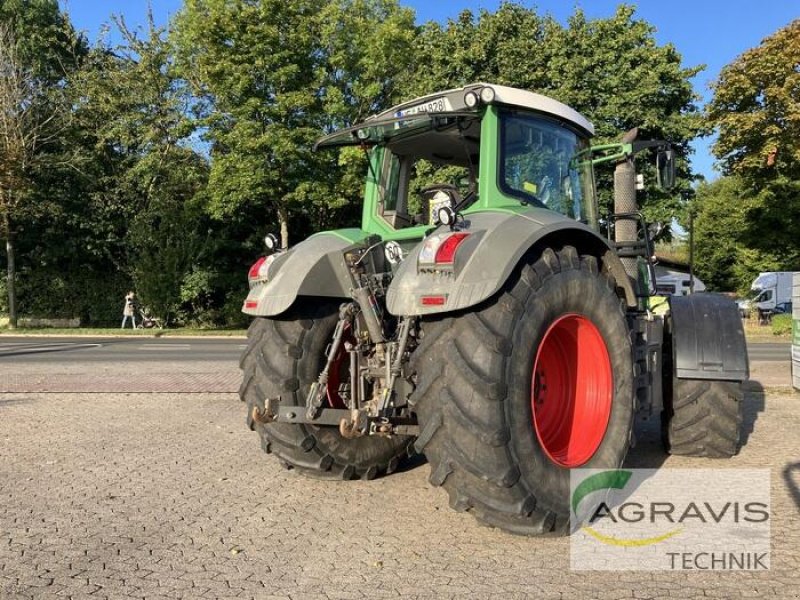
(602,482)
(636,519)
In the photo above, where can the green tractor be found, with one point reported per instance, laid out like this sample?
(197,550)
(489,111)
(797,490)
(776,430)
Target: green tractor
(480,316)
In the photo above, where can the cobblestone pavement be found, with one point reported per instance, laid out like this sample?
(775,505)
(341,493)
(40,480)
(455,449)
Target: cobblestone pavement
(145,376)
(168,495)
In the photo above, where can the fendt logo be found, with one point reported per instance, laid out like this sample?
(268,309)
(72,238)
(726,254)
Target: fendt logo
(670,519)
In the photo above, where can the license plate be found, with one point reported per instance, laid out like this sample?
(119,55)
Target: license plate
(431,106)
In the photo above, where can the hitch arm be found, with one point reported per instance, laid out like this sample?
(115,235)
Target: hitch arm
(319,387)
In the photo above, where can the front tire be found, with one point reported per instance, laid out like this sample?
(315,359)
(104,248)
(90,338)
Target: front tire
(500,387)
(703,418)
(284,356)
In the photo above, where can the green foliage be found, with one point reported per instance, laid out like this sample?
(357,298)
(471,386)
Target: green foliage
(720,210)
(731,224)
(757,114)
(366,45)
(165,244)
(781,324)
(267,90)
(49,46)
(756,111)
(95,297)
(609,69)
(149,201)
(173,153)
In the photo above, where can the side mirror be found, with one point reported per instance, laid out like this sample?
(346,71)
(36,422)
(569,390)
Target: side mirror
(656,231)
(665,168)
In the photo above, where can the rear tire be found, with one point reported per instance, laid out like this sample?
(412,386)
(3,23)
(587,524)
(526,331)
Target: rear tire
(487,443)
(703,418)
(284,356)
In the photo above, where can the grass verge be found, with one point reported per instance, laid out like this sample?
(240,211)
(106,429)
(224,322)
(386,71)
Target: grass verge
(762,333)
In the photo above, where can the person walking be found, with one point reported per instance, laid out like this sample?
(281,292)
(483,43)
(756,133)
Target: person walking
(129,310)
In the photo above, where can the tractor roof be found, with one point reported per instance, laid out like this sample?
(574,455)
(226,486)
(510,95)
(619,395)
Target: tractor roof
(464,101)
(454,101)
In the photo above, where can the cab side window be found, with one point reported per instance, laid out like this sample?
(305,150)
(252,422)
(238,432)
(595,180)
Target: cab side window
(394,193)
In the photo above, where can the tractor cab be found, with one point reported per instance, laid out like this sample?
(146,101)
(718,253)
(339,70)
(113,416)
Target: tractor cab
(470,149)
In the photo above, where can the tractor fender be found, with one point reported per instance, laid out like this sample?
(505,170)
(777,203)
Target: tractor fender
(707,338)
(314,267)
(485,260)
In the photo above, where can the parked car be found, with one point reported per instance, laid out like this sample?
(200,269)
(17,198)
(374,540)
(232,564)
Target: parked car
(745,306)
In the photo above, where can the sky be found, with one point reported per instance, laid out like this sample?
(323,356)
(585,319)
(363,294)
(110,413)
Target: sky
(705,32)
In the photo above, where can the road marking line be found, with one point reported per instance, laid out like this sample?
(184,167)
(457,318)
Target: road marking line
(164,347)
(30,349)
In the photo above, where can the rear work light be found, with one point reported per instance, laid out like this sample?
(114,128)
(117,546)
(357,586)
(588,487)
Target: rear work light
(440,249)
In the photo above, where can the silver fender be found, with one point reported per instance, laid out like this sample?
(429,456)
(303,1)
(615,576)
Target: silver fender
(485,260)
(314,267)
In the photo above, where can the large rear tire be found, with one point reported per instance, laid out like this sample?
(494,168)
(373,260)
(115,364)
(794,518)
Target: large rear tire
(284,356)
(532,383)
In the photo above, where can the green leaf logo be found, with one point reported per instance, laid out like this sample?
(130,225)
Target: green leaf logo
(616,479)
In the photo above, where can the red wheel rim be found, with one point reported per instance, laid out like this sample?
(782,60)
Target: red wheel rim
(339,371)
(571,390)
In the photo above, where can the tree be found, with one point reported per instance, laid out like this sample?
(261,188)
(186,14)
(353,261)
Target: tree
(252,67)
(720,214)
(729,231)
(611,69)
(136,108)
(38,47)
(270,77)
(756,111)
(366,48)
(29,120)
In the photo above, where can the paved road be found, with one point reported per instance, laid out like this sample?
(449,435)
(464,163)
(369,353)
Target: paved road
(119,365)
(104,349)
(125,350)
(770,351)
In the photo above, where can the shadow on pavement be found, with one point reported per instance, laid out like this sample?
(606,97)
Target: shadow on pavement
(411,463)
(752,407)
(648,453)
(47,348)
(22,349)
(791,475)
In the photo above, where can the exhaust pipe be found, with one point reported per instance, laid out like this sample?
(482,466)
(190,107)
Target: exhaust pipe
(625,230)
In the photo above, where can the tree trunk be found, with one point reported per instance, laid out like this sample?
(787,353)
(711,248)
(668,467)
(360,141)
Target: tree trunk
(283,219)
(12,270)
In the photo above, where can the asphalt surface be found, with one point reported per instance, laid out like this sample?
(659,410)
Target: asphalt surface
(105,349)
(769,351)
(125,350)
